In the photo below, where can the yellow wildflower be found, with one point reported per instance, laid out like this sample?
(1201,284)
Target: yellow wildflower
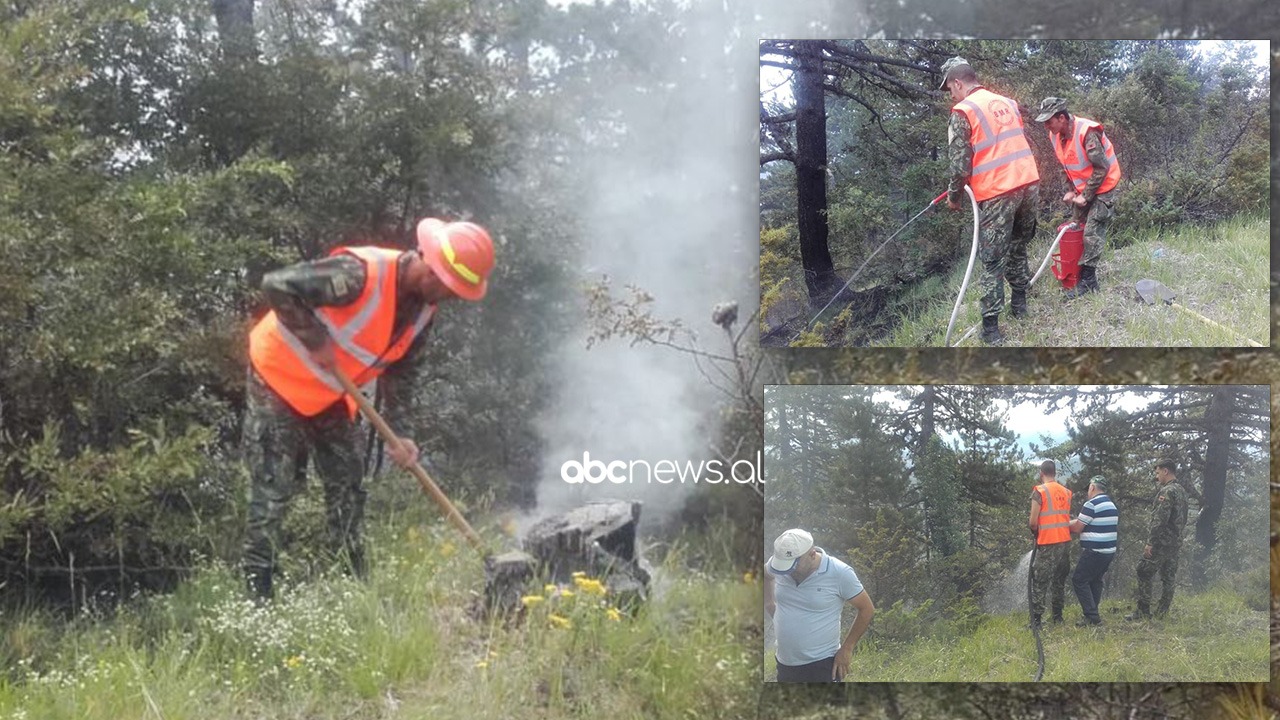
(590,586)
(579,574)
(559,621)
(550,588)
(447,548)
(748,577)
(613,614)
(566,593)
(531,600)
(294,661)
(482,665)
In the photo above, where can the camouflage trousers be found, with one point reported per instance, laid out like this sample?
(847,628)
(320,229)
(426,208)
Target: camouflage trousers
(1095,216)
(1005,227)
(1163,560)
(278,443)
(1053,563)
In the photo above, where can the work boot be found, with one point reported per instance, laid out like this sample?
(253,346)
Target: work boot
(1087,621)
(1092,278)
(258,583)
(1056,619)
(1087,283)
(1018,303)
(991,334)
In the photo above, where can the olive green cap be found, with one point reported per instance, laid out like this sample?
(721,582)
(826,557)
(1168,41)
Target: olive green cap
(1051,106)
(950,65)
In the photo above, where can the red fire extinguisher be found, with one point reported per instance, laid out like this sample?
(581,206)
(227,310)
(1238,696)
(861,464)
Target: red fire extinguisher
(1066,262)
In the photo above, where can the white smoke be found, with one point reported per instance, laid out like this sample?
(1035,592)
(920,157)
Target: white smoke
(675,212)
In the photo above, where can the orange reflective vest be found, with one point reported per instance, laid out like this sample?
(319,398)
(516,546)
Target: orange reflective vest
(1074,160)
(1002,159)
(1055,514)
(360,331)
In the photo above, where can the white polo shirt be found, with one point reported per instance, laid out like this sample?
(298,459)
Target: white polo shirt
(807,619)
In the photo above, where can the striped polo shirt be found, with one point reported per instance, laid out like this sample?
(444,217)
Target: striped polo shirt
(1100,520)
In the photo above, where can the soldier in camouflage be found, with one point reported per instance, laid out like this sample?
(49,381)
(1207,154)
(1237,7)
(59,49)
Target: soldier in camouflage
(1052,558)
(1168,519)
(1007,222)
(1089,208)
(280,440)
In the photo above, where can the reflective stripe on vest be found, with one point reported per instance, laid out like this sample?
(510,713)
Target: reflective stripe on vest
(1002,158)
(361,332)
(1055,514)
(1076,162)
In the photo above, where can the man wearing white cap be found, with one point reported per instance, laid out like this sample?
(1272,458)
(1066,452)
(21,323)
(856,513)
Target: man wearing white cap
(805,590)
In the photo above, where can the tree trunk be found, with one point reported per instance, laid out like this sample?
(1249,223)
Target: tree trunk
(811,167)
(235,28)
(1217,419)
(928,402)
(784,435)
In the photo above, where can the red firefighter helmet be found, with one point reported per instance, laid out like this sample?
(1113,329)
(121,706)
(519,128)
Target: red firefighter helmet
(460,254)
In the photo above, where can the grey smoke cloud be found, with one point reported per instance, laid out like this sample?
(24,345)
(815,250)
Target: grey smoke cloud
(674,212)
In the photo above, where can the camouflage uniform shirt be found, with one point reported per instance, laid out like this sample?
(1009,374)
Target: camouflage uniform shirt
(1168,517)
(960,154)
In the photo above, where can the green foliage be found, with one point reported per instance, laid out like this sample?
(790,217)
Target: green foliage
(940,486)
(150,180)
(898,626)
(337,648)
(1209,637)
(887,555)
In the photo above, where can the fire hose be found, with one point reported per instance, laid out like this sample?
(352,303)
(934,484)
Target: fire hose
(1035,622)
(973,253)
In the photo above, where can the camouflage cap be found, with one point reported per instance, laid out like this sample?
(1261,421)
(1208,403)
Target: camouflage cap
(950,65)
(1100,482)
(1051,106)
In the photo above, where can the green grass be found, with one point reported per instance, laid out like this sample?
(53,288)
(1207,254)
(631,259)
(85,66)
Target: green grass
(1209,637)
(1220,272)
(402,644)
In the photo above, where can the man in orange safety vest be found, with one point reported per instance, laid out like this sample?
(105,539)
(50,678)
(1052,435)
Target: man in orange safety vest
(989,152)
(361,311)
(1050,524)
(1090,161)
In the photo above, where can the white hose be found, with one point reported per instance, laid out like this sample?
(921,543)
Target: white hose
(973,253)
(1047,256)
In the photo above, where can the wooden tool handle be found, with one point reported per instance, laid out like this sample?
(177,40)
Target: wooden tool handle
(428,485)
(1220,326)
